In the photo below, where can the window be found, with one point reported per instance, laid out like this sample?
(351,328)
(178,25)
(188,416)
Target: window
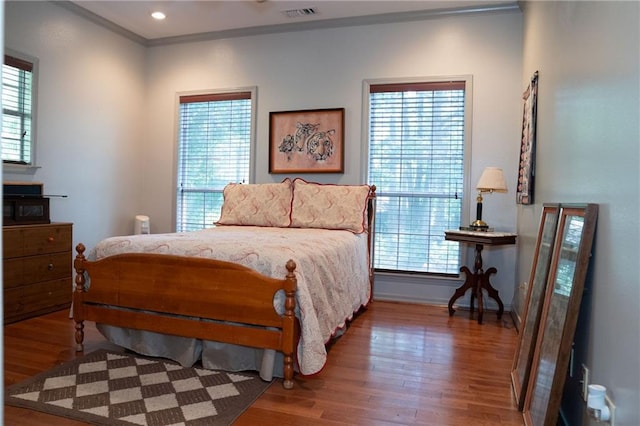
(18,106)
(417,138)
(214,146)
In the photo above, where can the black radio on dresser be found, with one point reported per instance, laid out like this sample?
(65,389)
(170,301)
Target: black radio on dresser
(24,203)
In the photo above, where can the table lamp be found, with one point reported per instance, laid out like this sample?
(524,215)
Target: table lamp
(491,180)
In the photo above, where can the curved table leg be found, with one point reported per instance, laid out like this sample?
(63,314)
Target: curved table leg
(478,292)
(473,300)
(460,291)
(492,292)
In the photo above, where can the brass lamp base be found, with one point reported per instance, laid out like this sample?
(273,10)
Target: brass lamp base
(479,225)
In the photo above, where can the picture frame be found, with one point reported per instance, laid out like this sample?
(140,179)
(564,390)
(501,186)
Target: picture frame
(565,285)
(534,301)
(526,167)
(306,141)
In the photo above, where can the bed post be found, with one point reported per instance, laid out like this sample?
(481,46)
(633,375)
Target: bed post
(78,296)
(289,324)
(371,233)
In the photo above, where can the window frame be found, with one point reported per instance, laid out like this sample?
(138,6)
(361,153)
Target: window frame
(253,90)
(33,166)
(468,124)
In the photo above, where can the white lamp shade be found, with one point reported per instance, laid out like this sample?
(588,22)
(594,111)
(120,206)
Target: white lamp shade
(492,180)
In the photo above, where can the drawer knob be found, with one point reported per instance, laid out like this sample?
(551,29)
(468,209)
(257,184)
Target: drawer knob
(50,239)
(50,266)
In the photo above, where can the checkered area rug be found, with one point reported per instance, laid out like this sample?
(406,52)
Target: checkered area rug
(108,388)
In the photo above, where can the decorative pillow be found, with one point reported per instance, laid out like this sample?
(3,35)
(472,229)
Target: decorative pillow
(329,206)
(261,204)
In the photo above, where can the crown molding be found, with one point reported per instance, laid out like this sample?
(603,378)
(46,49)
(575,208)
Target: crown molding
(97,19)
(293,27)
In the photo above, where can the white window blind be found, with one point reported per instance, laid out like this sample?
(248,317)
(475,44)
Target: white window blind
(17,106)
(416,160)
(214,150)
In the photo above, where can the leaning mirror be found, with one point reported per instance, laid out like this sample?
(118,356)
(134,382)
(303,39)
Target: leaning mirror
(569,264)
(533,301)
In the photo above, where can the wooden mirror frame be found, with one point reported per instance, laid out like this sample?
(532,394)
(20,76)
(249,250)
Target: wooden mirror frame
(559,315)
(533,302)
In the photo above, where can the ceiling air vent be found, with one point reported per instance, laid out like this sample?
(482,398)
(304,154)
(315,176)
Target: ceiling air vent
(295,13)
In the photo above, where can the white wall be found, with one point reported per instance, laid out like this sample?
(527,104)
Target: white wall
(588,56)
(107,110)
(325,69)
(90,117)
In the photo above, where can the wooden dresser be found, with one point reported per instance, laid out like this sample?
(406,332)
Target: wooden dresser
(37,264)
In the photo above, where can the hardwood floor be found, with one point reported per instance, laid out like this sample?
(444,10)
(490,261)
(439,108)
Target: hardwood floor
(397,364)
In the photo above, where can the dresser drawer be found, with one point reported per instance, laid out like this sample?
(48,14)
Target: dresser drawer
(32,269)
(35,239)
(34,299)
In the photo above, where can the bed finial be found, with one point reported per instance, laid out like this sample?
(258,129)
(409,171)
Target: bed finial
(291,266)
(290,319)
(78,295)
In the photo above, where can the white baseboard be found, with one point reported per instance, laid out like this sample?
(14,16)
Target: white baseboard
(425,290)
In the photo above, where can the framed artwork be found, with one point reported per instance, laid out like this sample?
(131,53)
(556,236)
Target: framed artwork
(533,301)
(306,141)
(569,264)
(526,169)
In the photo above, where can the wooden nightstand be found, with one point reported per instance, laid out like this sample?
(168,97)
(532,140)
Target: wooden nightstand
(478,279)
(37,263)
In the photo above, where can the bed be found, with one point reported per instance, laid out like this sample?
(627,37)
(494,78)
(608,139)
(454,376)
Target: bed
(283,271)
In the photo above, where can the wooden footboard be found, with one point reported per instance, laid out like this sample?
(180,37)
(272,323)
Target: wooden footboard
(192,297)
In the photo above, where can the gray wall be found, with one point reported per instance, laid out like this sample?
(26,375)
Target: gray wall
(325,69)
(90,117)
(588,56)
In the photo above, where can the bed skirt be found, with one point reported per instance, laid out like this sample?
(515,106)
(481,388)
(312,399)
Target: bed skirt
(188,351)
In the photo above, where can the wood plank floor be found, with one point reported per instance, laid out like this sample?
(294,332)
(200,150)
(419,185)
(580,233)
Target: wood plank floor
(397,364)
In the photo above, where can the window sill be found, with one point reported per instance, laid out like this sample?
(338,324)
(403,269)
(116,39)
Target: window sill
(420,278)
(19,168)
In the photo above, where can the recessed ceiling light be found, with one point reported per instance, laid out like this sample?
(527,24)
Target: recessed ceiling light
(158,15)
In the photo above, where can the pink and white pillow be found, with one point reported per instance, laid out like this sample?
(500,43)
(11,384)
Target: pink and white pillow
(265,204)
(329,206)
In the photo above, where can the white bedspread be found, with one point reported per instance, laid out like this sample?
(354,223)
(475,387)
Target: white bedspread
(332,270)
